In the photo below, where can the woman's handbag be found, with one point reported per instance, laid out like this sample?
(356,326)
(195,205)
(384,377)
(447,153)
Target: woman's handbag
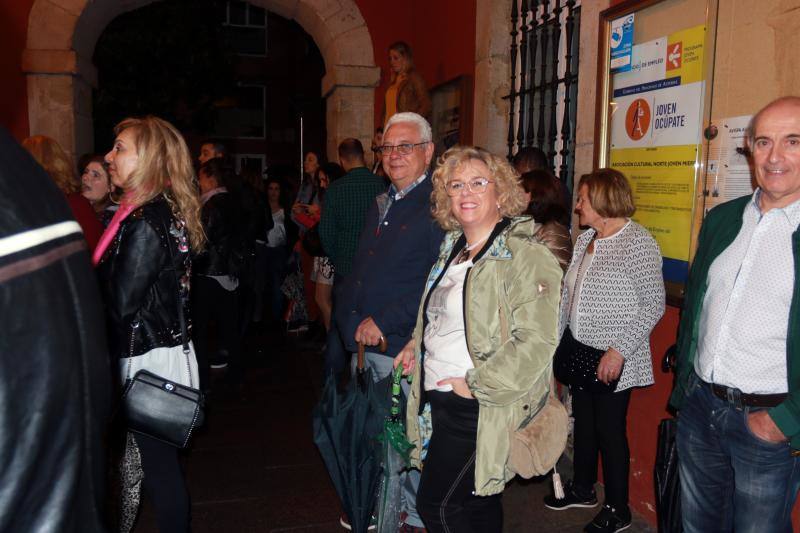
(575,364)
(160,408)
(536,447)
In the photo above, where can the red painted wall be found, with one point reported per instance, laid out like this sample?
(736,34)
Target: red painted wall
(647,408)
(13,91)
(441,35)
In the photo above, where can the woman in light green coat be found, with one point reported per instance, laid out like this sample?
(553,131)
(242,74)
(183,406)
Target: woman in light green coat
(482,348)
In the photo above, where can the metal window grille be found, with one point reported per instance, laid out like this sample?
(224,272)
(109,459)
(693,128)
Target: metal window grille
(544,81)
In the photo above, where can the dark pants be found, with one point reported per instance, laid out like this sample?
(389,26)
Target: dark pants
(445,500)
(731,480)
(600,425)
(335,355)
(275,259)
(212,303)
(164,485)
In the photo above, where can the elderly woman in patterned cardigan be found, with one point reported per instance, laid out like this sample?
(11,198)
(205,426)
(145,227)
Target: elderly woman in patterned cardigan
(612,297)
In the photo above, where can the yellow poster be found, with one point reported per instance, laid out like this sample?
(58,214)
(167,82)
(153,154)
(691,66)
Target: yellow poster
(655,134)
(662,178)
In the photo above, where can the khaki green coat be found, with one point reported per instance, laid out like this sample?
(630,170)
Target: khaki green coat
(511,322)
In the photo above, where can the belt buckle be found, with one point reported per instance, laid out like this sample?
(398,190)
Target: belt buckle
(734,397)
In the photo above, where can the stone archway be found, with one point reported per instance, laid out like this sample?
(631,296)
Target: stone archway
(62,35)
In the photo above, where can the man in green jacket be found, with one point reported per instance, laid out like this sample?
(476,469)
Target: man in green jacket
(738,385)
(346,203)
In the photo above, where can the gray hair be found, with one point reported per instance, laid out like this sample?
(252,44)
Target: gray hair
(411,118)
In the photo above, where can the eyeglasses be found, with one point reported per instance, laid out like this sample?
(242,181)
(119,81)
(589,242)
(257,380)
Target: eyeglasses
(402,149)
(475,186)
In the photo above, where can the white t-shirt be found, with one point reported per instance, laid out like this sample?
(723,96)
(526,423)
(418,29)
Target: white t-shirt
(277,235)
(446,354)
(574,281)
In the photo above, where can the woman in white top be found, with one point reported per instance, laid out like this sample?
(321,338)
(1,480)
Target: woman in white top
(277,247)
(613,296)
(482,348)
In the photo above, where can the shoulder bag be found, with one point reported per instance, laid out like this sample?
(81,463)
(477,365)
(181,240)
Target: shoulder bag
(160,408)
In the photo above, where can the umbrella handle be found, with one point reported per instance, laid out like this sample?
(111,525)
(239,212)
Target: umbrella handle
(381,346)
(397,377)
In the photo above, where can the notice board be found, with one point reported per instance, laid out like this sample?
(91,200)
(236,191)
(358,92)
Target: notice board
(651,117)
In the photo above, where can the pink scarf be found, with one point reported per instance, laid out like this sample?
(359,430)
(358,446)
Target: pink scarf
(111,231)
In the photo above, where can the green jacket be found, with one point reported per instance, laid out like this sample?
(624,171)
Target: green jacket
(512,293)
(719,230)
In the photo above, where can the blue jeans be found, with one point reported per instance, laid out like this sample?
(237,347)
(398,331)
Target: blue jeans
(381,366)
(730,479)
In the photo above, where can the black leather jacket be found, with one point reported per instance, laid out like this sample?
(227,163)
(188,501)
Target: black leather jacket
(55,383)
(144,275)
(222,222)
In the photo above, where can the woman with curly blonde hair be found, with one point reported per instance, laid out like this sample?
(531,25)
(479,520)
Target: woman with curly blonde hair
(58,165)
(144,261)
(485,336)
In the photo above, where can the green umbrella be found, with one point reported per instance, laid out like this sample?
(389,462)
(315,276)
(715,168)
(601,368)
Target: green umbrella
(396,457)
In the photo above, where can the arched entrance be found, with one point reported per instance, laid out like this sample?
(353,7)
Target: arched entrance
(62,36)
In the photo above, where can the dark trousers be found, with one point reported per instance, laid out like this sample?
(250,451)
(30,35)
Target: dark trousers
(600,425)
(164,485)
(275,260)
(445,500)
(335,355)
(212,303)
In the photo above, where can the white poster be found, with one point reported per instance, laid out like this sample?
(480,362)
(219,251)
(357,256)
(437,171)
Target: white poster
(728,174)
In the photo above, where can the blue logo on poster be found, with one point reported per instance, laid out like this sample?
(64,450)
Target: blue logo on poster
(621,43)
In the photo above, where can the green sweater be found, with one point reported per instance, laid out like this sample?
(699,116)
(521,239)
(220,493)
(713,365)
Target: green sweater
(719,230)
(346,202)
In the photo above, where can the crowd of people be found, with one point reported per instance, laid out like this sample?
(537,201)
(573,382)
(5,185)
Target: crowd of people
(463,272)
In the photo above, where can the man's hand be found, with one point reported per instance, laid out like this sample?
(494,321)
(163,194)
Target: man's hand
(406,358)
(610,366)
(368,332)
(459,385)
(763,427)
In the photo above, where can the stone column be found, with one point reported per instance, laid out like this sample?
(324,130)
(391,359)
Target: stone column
(492,75)
(350,99)
(60,98)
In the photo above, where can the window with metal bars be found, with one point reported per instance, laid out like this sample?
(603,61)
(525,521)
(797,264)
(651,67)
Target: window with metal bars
(544,81)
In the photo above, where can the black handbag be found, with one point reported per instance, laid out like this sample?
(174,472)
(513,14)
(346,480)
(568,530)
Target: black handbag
(575,364)
(160,408)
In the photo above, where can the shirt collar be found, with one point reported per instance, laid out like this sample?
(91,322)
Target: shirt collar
(206,196)
(395,195)
(791,211)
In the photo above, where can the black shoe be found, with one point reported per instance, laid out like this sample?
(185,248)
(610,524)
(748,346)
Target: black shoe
(572,498)
(609,520)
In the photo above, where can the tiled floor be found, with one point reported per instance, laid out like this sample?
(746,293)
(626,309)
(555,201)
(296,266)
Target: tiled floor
(254,467)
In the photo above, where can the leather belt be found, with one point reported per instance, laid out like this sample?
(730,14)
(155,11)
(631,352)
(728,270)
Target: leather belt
(737,397)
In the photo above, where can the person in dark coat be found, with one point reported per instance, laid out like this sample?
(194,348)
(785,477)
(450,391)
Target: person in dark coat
(379,298)
(55,384)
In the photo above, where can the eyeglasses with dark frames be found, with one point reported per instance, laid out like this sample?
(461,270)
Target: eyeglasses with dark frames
(402,149)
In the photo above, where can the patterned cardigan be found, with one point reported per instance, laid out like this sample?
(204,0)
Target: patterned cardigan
(621,299)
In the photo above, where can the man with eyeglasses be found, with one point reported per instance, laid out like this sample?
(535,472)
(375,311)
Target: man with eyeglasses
(397,247)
